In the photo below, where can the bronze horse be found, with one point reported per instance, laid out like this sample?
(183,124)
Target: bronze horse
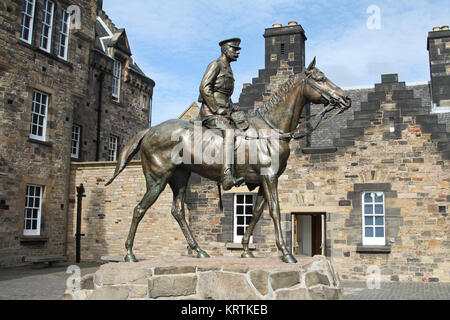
(281,114)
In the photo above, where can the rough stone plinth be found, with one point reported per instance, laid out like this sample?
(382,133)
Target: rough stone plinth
(221,278)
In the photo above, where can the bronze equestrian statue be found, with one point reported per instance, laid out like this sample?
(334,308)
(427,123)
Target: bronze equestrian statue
(281,114)
(216,90)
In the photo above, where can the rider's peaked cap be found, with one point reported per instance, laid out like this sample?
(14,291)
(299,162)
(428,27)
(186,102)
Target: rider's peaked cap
(233,42)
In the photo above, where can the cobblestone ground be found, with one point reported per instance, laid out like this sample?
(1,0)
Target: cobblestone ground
(397,291)
(26,283)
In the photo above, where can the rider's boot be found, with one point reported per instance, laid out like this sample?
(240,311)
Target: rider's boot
(228,181)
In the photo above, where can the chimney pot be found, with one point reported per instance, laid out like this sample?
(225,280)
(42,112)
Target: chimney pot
(444,28)
(436,29)
(277,25)
(292,23)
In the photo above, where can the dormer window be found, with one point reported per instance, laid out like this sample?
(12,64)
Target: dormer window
(117,71)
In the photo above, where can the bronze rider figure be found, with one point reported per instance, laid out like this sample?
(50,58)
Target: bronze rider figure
(216,90)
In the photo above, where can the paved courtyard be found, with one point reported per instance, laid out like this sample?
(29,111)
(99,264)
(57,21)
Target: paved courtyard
(26,283)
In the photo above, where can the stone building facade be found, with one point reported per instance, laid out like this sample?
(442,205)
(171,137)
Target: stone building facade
(369,191)
(49,110)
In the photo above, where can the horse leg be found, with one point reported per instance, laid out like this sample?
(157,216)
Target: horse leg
(154,189)
(270,186)
(259,207)
(179,182)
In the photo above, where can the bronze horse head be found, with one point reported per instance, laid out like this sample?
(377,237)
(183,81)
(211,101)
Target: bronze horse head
(272,123)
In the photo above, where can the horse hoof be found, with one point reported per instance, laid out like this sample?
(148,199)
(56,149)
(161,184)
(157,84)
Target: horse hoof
(202,255)
(130,258)
(289,258)
(247,255)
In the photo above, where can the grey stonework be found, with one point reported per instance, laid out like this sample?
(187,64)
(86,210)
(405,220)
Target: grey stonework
(73,89)
(439,50)
(281,44)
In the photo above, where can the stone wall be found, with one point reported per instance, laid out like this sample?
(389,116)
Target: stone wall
(107,213)
(24,68)
(211,279)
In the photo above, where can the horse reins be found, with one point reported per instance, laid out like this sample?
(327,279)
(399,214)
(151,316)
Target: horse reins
(296,135)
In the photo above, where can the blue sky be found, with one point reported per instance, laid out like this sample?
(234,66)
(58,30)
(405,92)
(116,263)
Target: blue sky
(174,40)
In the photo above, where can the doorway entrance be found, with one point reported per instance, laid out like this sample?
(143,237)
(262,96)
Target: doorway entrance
(308,236)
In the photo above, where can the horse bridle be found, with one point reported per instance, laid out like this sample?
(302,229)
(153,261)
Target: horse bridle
(332,105)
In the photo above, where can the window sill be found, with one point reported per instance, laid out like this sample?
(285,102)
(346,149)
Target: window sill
(50,55)
(373,249)
(33,240)
(238,246)
(44,143)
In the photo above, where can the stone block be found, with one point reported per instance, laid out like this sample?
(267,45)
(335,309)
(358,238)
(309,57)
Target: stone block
(260,280)
(295,293)
(321,292)
(174,270)
(169,286)
(225,286)
(87,282)
(236,268)
(111,276)
(110,293)
(314,278)
(287,279)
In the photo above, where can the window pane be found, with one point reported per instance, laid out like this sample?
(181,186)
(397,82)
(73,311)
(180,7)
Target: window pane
(240,199)
(249,210)
(241,220)
(240,231)
(368,209)
(368,197)
(379,197)
(379,232)
(379,209)
(369,232)
(369,221)
(248,220)
(239,210)
(249,199)
(379,221)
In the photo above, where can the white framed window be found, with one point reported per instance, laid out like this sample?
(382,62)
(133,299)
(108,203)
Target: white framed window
(47,25)
(33,210)
(76,140)
(26,31)
(112,148)
(39,110)
(374,226)
(243,212)
(63,43)
(117,71)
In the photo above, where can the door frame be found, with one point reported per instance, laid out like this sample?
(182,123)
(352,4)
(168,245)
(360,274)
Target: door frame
(309,213)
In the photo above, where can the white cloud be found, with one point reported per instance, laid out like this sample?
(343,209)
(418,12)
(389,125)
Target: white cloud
(173,41)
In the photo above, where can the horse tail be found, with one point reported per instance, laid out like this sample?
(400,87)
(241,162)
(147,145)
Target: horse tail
(127,154)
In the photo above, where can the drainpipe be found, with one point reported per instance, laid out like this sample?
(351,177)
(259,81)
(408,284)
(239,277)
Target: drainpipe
(101,77)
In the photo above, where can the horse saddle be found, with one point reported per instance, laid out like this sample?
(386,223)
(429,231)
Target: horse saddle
(240,120)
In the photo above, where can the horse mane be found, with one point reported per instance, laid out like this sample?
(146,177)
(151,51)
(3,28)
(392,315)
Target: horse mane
(278,96)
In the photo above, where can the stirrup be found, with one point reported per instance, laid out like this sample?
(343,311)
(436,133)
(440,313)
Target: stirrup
(228,181)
